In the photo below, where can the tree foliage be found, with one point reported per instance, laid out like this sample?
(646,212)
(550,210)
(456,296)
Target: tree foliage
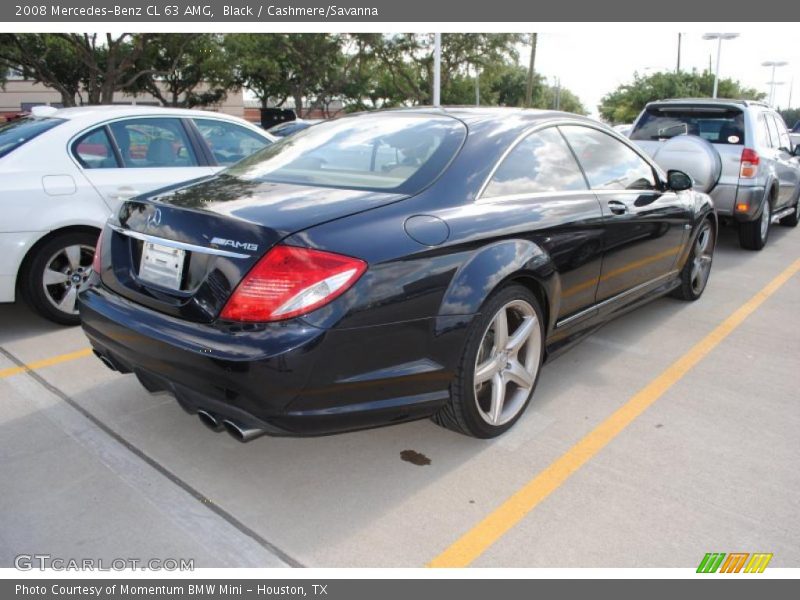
(364,71)
(184,70)
(627,101)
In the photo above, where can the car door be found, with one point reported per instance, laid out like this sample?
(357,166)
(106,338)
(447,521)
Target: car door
(541,186)
(228,143)
(128,157)
(787,166)
(645,227)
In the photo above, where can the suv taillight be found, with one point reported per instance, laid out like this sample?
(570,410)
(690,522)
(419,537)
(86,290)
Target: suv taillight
(290,281)
(96,259)
(749,165)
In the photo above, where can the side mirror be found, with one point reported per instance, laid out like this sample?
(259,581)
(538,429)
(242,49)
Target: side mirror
(678,181)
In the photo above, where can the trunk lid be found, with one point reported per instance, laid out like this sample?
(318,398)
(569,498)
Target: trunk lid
(212,233)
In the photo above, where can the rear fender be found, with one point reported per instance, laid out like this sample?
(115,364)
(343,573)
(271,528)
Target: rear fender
(491,266)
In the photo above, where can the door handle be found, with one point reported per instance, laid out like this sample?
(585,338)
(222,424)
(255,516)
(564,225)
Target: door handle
(617,207)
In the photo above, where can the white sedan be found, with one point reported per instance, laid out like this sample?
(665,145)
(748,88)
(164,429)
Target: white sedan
(63,172)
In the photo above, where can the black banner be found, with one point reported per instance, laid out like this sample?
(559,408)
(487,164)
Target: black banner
(731,588)
(264,12)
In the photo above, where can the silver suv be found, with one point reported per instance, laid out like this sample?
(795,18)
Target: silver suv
(758,182)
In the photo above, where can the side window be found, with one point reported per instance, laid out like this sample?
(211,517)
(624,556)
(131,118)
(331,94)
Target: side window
(608,163)
(773,131)
(762,132)
(228,142)
(153,142)
(783,134)
(541,162)
(94,151)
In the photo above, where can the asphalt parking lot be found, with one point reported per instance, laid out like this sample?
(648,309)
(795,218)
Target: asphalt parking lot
(669,433)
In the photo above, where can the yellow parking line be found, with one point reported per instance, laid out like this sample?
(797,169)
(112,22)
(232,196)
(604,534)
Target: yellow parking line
(478,539)
(47,362)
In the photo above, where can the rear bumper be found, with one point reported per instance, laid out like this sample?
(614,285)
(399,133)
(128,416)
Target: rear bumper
(285,378)
(727,196)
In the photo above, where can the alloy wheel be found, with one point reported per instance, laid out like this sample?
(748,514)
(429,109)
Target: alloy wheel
(702,256)
(766,216)
(66,273)
(507,362)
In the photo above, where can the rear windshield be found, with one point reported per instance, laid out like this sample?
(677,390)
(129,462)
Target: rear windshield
(717,125)
(395,152)
(18,132)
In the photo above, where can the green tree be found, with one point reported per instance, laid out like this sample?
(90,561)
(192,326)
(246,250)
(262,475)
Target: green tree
(624,103)
(184,70)
(309,62)
(110,62)
(46,59)
(254,59)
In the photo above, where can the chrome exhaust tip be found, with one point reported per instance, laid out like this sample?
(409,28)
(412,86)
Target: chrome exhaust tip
(209,420)
(241,432)
(105,360)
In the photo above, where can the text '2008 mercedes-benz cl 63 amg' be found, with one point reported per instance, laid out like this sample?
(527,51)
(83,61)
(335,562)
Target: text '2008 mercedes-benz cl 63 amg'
(391,266)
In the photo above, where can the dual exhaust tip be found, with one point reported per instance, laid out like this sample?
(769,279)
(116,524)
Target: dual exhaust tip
(238,431)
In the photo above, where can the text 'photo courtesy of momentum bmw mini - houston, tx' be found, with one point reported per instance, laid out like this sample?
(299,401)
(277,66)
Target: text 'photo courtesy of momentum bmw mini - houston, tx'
(391,266)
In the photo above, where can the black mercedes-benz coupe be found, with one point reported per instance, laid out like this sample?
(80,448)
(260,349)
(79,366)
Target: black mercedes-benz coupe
(391,266)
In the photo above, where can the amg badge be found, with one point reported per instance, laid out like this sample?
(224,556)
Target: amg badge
(234,244)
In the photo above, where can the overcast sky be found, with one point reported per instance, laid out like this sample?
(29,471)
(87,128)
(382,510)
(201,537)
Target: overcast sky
(593,62)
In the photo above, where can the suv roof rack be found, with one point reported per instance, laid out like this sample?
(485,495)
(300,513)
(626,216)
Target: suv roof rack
(713,101)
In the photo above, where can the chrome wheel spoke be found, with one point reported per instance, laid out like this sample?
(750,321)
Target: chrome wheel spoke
(73,254)
(501,330)
(516,373)
(521,335)
(498,398)
(485,371)
(67,303)
(53,277)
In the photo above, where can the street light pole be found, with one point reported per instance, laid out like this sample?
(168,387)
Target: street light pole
(774,64)
(437,68)
(719,37)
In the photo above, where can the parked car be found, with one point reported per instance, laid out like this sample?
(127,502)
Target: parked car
(290,127)
(794,135)
(624,128)
(64,171)
(428,274)
(758,178)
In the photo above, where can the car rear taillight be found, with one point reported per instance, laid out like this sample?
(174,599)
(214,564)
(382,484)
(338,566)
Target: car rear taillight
(290,281)
(749,165)
(96,259)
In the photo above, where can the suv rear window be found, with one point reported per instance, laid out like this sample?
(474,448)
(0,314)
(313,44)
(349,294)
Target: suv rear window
(717,125)
(18,132)
(398,152)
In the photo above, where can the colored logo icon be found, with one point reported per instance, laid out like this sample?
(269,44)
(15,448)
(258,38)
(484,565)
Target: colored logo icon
(735,562)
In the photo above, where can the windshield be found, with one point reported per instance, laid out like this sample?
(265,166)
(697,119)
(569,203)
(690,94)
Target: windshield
(18,132)
(717,125)
(398,152)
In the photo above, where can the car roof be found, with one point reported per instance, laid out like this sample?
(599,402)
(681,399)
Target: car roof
(482,114)
(91,113)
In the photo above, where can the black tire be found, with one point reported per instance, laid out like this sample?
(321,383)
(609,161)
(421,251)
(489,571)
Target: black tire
(752,236)
(793,219)
(695,273)
(54,253)
(462,413)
